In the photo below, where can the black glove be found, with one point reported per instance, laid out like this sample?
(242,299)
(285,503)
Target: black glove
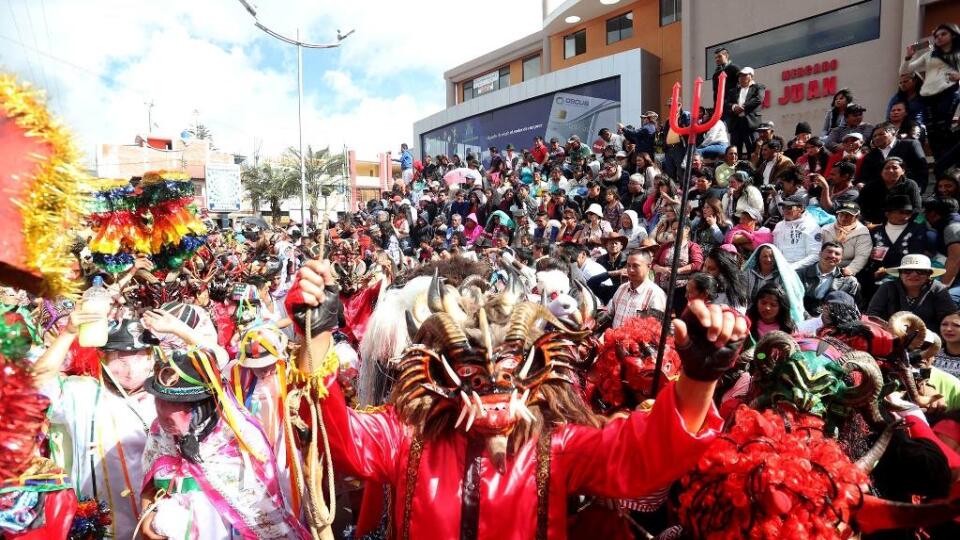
(323,317)
(700,358)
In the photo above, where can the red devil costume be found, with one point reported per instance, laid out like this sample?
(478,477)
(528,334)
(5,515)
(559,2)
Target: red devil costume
(485,436)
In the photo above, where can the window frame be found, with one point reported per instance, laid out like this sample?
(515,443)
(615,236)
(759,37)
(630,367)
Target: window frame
(820,46)
(674,17)
(523,66)
(573,36)
(621,29)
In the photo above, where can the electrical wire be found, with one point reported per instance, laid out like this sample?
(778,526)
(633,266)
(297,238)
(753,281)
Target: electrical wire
(16,26)
(33,34)
(46,29)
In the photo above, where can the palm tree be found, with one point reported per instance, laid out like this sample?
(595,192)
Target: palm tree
(323,172)
(271,183)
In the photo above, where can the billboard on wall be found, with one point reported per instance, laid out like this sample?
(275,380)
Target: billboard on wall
(579,110)
(223,187)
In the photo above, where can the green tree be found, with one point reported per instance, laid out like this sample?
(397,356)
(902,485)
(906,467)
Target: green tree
(323,172)
(252,181)
(271,183)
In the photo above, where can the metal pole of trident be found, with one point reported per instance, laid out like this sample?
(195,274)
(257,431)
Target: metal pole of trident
(691,132)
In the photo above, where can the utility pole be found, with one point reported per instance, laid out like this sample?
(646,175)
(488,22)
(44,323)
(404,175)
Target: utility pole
(300,45)
(149,105)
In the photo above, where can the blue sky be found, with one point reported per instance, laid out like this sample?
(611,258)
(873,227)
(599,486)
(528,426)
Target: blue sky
(101,60)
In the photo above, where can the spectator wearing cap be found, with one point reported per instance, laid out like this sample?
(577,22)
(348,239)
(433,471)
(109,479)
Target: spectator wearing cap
(741,111)
(825,276)
(741,195)
(897,237)
(913,290)
(853,117)
(748,234)
(798,235)
(851,150)
(773,163)
(850,233)
(765,133)
(721,57)
(789,184)
(839,188)
(886,144)
(798,144)
(835,117)
(577,149)
(944,220)
(893,181)
(715,140)
(643,136)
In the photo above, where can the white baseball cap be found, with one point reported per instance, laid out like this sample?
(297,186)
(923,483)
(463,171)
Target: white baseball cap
(746,71)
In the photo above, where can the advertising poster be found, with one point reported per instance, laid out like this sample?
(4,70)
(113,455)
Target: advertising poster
(223,187)
(579,110)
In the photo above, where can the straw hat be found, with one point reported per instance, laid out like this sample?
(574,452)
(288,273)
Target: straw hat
(916,262)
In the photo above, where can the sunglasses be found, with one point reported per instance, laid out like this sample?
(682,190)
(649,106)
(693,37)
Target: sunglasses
(918,272)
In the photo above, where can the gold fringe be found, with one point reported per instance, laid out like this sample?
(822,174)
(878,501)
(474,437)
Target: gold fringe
(53,201)
(314,380)
(155,177)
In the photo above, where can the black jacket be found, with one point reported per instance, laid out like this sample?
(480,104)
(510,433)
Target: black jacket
(873,198)
(810,277)
(751,108)
(934,304)
(733,74)
(914,162)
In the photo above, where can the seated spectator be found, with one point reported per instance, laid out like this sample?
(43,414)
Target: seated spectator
(907,127)
(765,134)
(835,117)
(894,182)
(825,276)
(703,188)
(886,145)
(722,265)
(724,170)
(690,261)
(636,195)
(948,185)
(789,184)
(663,231)
(908,92)
(944,220)
(852,235)
(769,312)
(569,227)
(471,229)
(773,163)
(798,235)
(632,228)
(702,286)
(710,227)
(595,228)
(748,234)
(543,229)
(665,195)
(915,291)
(851,150)
(612,209)
(742,195)
(715,140)
(948,358)
(897,237)
(639,294)
(853,117)
(767,265)
(814,158)
(839,188)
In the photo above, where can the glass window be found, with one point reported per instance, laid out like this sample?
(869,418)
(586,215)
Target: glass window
(504,79)
(468,90)
(575,44)
(824,32)
(531,67)
(669,11)
(620,28)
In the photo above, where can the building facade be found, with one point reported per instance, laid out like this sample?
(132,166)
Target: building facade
(592,63)
(804,52)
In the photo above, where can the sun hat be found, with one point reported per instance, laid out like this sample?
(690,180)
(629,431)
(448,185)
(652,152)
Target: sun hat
(915,261)
(178,379)
(595,209)
(752,212)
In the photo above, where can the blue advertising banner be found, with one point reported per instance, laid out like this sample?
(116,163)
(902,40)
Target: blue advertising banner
(579,110)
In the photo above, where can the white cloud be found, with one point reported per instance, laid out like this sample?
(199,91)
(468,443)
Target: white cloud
(111,56)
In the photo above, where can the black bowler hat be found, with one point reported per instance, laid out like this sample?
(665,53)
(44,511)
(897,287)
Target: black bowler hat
(129,335)
(179,378)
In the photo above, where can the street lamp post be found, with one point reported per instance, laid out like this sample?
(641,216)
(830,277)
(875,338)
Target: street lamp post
(300,45)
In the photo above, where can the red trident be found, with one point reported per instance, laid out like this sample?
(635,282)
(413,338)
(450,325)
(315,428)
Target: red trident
(695,128)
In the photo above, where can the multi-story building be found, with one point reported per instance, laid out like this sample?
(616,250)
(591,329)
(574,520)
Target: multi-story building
(591,63)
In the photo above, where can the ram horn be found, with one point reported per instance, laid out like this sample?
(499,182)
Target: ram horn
(773,348)
(867,393)
(868,461)
(440,329)
(906,326)
(450,299)
(524,318)
(473,280)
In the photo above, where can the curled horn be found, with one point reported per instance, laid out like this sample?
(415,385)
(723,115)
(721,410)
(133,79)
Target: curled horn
(773,348)
(441,329)
(473,280)
(524,318)
(867,393)
(868,461)
(906,326)
(588,302)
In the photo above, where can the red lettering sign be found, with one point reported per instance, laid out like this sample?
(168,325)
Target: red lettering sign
(813,89)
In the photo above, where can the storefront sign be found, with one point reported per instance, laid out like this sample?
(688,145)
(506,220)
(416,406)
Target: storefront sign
(820,86)
(486,83)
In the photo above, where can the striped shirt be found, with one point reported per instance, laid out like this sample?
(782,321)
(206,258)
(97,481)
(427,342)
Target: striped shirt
(627,301)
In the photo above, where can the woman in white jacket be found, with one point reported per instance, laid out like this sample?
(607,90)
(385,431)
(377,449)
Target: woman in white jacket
(940,65)
(852,235)
(742,194)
